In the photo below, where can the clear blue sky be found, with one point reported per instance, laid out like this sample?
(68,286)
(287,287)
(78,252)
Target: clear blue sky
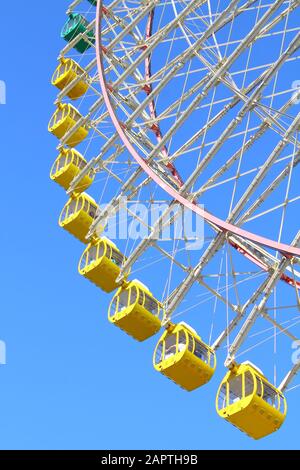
(72,381)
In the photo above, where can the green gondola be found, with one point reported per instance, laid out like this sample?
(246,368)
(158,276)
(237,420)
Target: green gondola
(75,25)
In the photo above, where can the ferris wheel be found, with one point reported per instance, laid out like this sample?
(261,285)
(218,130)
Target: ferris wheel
(178,147)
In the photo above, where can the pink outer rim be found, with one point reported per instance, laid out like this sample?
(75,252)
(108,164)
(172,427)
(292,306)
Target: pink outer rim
(224,226)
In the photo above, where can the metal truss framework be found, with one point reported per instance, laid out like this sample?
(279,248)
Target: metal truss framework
(130,98)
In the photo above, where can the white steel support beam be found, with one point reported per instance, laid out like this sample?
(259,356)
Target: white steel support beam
(191,180)
(220,72)
(181,60)
(259,308)
(220,239)
(289,377)
(264,127)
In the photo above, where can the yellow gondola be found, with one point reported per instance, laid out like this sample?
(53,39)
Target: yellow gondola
(67,165)
(64,118)
(247,400)
(101,263)
(78,215)
(183,357)
(67,71)
(136,311)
